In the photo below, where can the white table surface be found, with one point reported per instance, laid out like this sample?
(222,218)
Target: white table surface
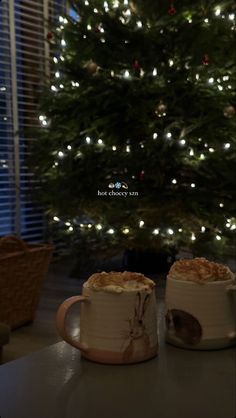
(56,383)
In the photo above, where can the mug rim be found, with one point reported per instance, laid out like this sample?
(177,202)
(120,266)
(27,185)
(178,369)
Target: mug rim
(102,289)
(201,282)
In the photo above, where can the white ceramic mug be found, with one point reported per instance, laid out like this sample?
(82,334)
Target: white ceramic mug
(201,315)
(114,327)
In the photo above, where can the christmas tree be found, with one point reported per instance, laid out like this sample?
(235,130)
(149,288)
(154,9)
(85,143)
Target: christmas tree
(137,145)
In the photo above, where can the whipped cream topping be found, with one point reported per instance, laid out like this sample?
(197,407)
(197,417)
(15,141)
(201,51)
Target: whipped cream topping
(118,282)
(199,270)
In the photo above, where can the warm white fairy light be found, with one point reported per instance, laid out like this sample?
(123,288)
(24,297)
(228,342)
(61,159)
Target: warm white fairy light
(127,148)
(61,86)
(228,225)
(155,135)
(154,72)
(180,230)
(53,88)
(110,231)
(86,3)
(57,74)
(98,227)
(126,74)
(81,225)
(171,62)
(127,12)
(233,227)
(225,78)
(44,122)
(218,237)
(203,229)
(42,117)
(193,185)
(174,181)
(56,219)
(79,154)
(182,142)
(139,24)
(61,19)
(211,150)
(60,154)
(68,224)
(231,16)
(56,164)
(89,226)
(191,152)
(55,60)
(100,142)
(89,27)
(170,231)
(141,223)
(221,205)
(211,80)
(114,148)
(95,10)
(206,145)
(193,237)
(116,4)
(70,228)
(69,147)
(217,11)
(168,135)
(206,20)
(103,40)
(88,140)
(155,231)
(126,2)
(220,88)
(63,42)
(227,145)
(197,76)
(229,87)
(75,84)
(125,231)
(62,58)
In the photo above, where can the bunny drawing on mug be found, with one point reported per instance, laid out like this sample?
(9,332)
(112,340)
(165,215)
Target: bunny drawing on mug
(137,336)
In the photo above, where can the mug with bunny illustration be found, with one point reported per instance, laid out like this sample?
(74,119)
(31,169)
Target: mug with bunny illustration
(118,318)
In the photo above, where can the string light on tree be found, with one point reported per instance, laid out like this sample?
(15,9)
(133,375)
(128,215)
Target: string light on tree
(156,231)
(193,237)
(141,224)
(98,227)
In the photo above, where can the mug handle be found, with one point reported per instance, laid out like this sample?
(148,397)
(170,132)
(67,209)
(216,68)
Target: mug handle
(61,319)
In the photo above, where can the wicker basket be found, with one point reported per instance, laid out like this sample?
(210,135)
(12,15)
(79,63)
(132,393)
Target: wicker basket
(22,270)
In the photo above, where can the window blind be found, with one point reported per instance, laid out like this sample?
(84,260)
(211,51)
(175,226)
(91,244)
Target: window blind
(24,67)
